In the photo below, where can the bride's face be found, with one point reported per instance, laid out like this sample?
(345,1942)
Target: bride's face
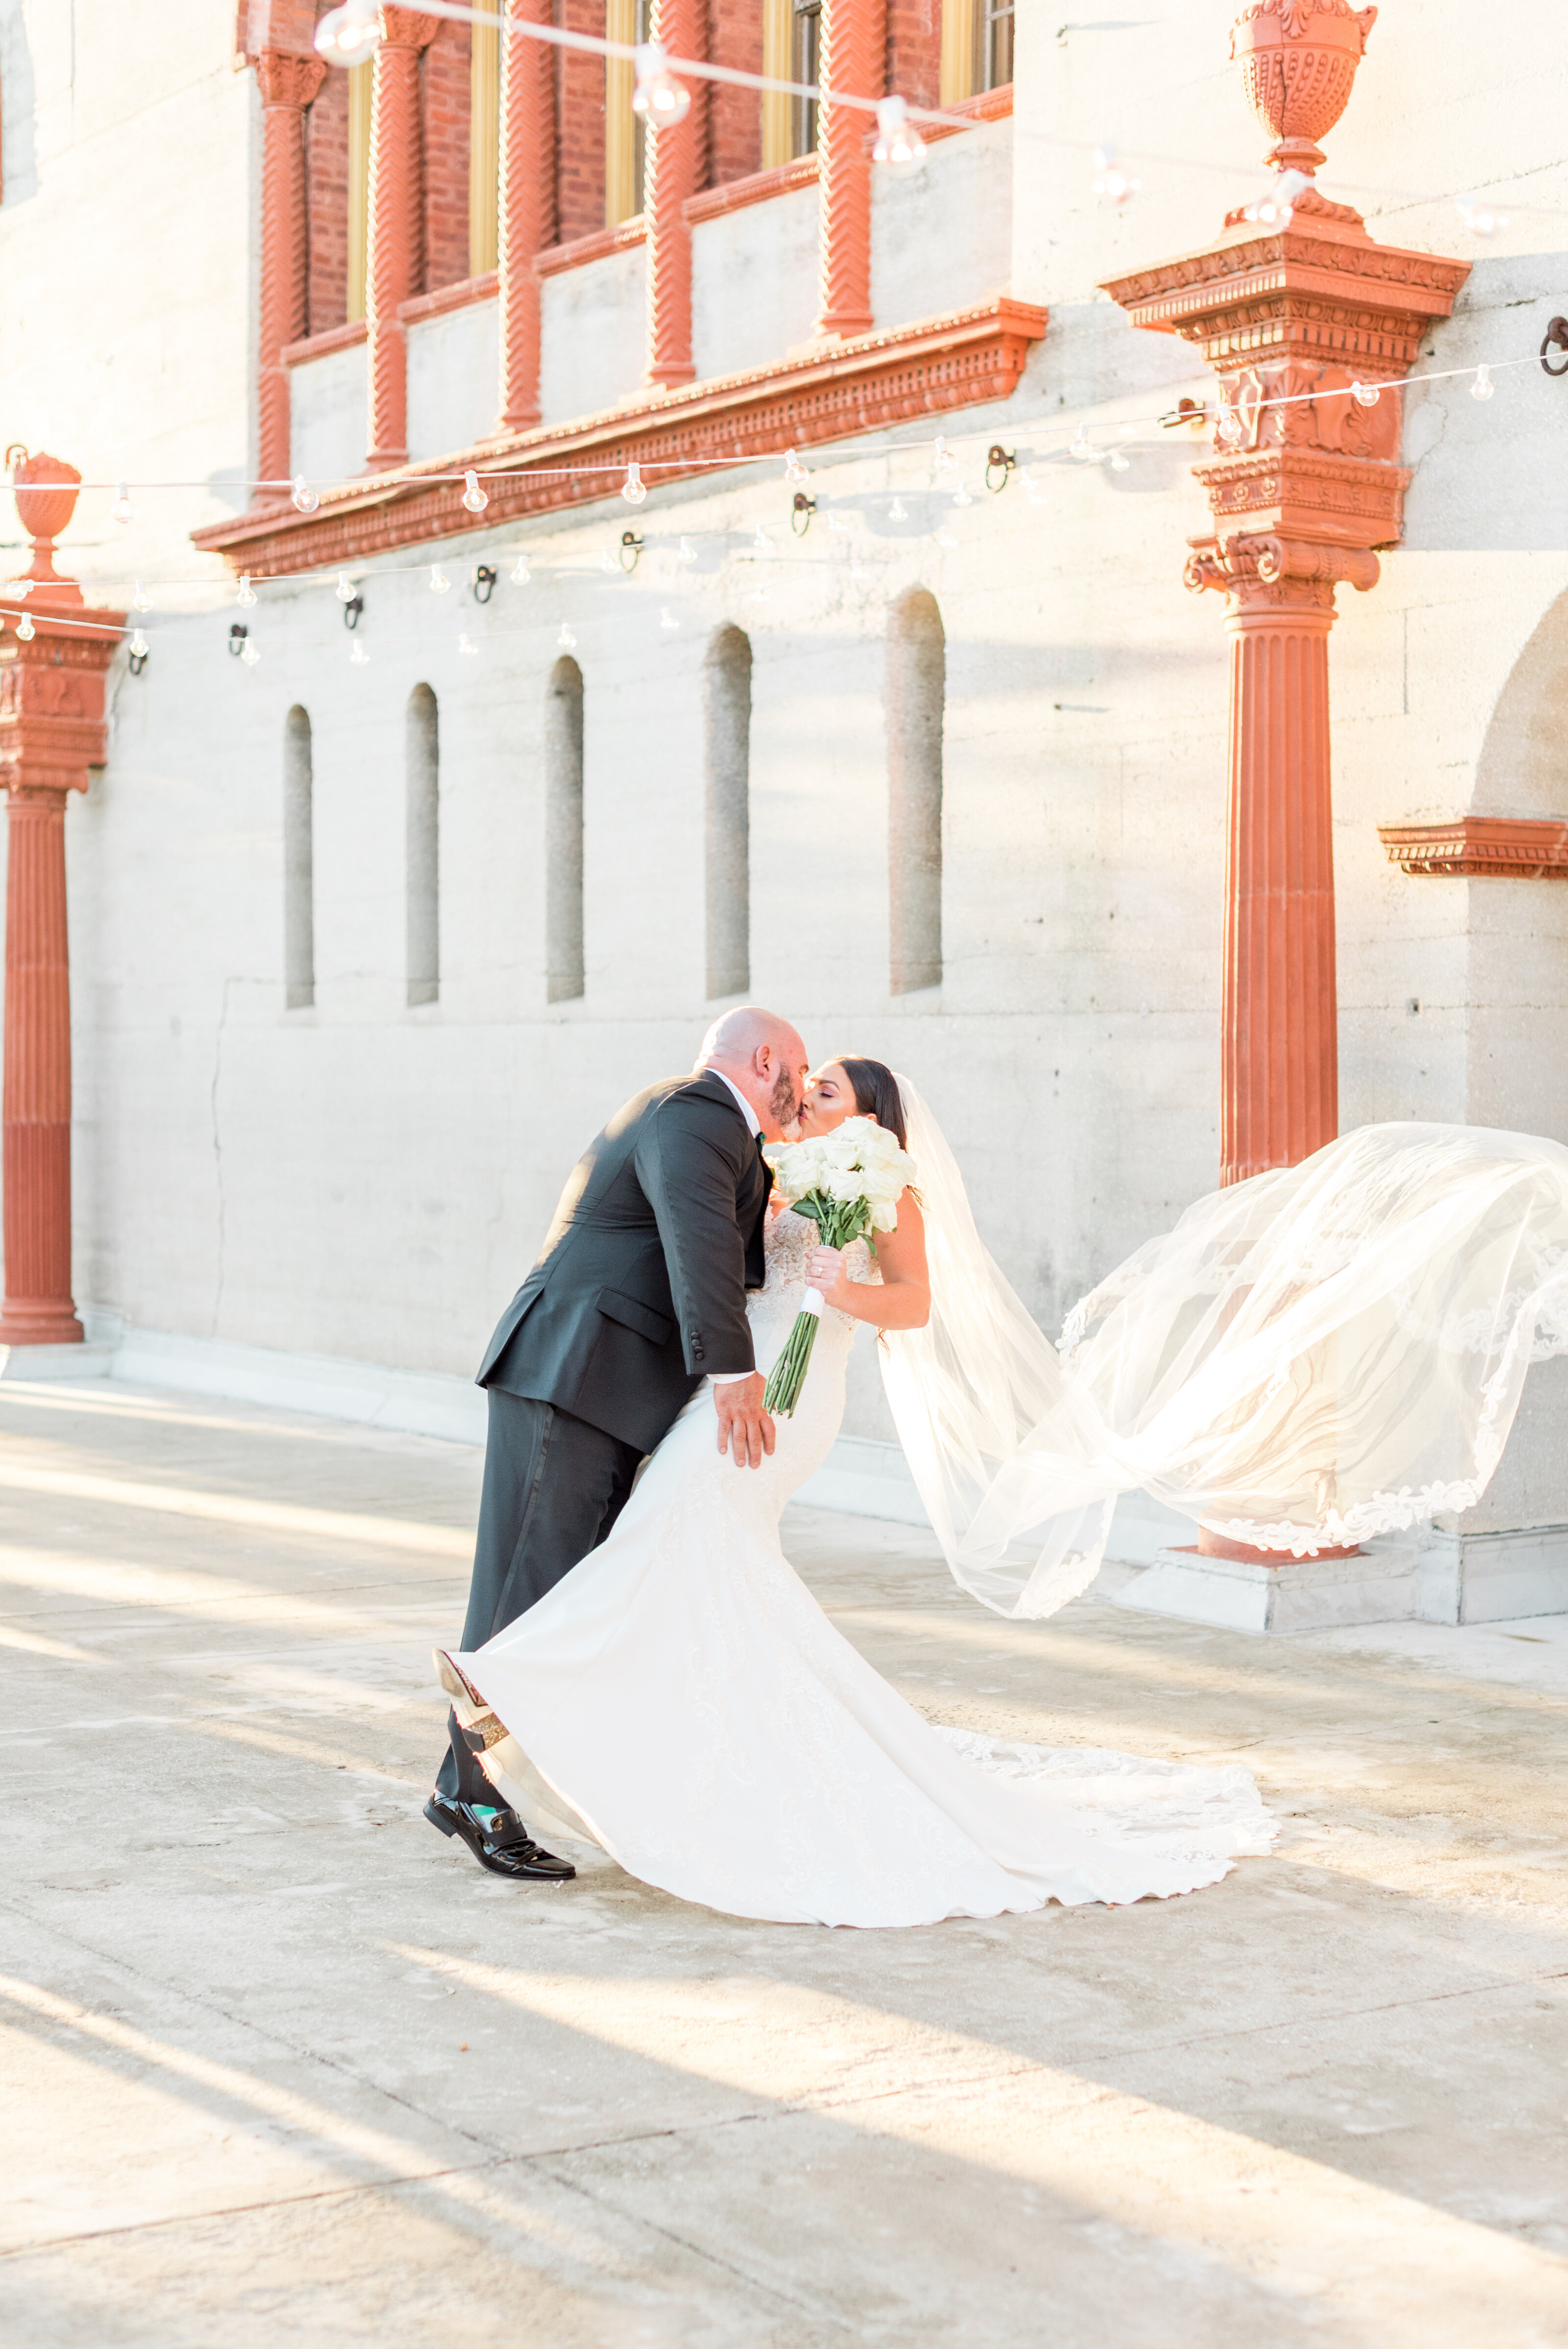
(829,1099)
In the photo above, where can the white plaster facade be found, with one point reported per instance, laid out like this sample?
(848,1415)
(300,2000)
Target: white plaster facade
(364,1181)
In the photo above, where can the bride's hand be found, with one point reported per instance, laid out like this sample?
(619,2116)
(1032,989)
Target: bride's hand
(825,1272)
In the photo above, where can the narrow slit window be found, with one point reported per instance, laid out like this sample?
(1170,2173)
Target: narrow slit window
(299,864)
(727,812)
(423,871)
(563,833)
(916,694)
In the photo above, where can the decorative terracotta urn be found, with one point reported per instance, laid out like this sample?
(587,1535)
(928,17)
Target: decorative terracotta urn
(46,490)
(1298,61)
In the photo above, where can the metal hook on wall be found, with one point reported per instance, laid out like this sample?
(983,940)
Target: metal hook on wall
(352,610)
(800,511)
(238,632)
(485,577)
(1555,338)
(998,460)
(632,546)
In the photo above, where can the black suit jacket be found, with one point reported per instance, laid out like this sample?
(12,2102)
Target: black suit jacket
(640,1289)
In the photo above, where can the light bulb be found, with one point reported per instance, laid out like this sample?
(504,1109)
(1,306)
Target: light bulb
(1118,461)
(20,588)
(687,551)
(667,618)
(358,657)
(138,648)
(302,497)
(633,489)
(759,595)
(1111,183)
(945,538)
(466,643)
(1083,448)
(961,496)
(795,473)
(566,640)
(25,629)
(348,36)
(659,98)
(899,145)
(439,583)
(837,526)
(247,593)
(942,460)
(345,588)
(1228,427)
(122,510)
(1276,208)
(858,569)
(1478,218)
(474,498)
(610,561)
(520,573)
(1483,386)
(251,652)
(141,601)
(897,512)
(761,543)
(1366,393)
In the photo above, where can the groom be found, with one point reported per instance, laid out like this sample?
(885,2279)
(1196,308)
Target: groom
(639,1294)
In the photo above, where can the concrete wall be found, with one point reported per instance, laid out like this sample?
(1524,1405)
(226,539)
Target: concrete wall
(362,1179)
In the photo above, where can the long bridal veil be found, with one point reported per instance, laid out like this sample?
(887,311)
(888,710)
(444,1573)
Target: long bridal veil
(1325,1352)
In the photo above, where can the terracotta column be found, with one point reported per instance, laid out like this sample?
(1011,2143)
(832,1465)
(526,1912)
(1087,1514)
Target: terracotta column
(672,171)
(397,205)
(288,84)
(853,56)
(527,206)
(1308,325)
(51,733)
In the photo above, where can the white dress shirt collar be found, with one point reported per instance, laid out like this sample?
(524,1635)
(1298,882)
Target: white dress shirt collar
(753,1121)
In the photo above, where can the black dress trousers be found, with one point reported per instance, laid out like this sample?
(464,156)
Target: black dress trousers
(553,1486)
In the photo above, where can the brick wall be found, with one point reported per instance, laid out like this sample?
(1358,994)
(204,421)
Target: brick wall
(445,102)
(914,50)
(327,205)
(580,126)
(734,116)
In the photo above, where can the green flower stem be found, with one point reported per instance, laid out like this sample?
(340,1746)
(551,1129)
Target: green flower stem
(840,1221)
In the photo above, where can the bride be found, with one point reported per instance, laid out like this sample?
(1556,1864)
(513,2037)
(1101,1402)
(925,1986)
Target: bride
(680,1699)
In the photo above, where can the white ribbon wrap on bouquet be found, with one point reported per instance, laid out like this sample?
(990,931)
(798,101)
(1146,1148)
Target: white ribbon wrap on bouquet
(1326,1352)
(813,1302)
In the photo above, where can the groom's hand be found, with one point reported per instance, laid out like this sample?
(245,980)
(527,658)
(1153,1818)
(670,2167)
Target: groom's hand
(745,1430)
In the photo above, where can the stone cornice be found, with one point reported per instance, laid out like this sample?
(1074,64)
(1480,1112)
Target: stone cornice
(1477,847)
(965,358)
(52,728)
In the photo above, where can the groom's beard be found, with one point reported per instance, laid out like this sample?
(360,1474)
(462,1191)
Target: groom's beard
(784,1102)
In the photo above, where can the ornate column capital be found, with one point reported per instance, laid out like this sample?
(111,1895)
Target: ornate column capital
(286,80)
(408,28)
(1267,572)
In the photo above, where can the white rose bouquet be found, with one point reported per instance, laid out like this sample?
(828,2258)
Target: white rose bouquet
(848,1182)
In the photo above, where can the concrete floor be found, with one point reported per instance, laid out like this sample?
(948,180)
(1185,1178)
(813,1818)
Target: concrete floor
(280,2066)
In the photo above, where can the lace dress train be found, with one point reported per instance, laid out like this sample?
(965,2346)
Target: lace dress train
(681,1699)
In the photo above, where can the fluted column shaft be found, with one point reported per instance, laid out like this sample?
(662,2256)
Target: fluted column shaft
(672,172)
(36,1148)
(288,84)
(397,204)
(1280,1083)
(526,207)
(853,55)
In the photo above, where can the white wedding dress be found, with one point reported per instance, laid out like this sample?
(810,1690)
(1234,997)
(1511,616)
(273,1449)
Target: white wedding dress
(681,1699)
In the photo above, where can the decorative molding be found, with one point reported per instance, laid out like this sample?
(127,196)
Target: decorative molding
(986,106)
(965,358)
(853,59)
(459,295)
(597,247)
(322,345)
(1480,847)
(757,188)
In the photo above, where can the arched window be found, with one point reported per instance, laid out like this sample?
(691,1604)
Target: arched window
(727,724)
(299,903)
(916,687)
(563,832)
(422,866)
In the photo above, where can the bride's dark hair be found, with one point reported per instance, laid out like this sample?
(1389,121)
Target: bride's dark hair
(875,1088)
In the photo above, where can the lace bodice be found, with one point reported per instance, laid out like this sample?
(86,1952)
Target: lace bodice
(787,1241)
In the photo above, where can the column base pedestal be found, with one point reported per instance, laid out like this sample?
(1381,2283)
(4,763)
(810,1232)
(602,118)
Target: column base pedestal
(70,1362)
(1304,1594)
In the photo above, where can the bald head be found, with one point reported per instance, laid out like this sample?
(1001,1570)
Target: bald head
(764,1060)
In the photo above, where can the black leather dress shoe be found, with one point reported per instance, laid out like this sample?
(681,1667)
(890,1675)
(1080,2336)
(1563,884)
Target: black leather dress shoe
(499,1840)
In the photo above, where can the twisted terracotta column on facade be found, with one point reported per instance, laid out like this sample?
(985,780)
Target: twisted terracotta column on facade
(853,53)
(673,172)
(397,206)
(51,733)
(288,84)
(1308,325)
(526,207)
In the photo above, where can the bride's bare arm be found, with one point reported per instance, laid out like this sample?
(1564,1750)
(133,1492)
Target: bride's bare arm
(903,1298)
